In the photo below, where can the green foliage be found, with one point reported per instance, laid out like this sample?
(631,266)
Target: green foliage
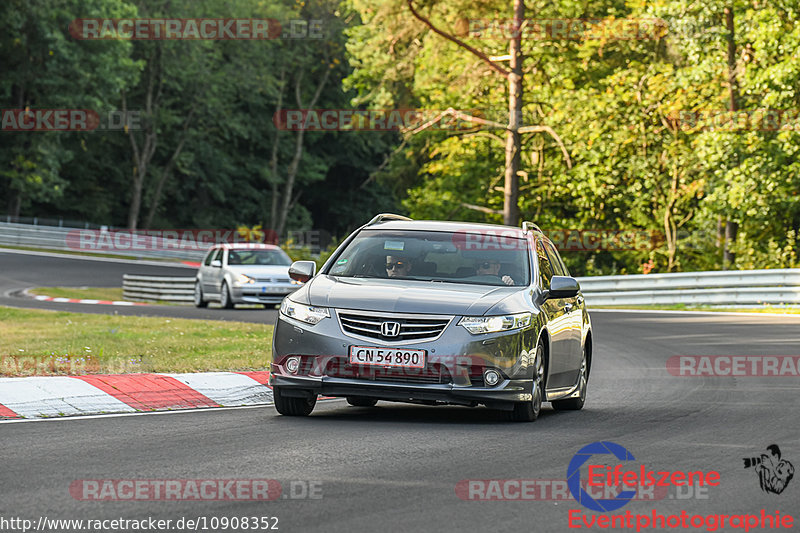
(614,102)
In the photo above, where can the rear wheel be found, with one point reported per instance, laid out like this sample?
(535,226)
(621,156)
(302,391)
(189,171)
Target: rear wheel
(293,406)
(198,296)
(575,404)
(225,296)
(361,402)
(529,411)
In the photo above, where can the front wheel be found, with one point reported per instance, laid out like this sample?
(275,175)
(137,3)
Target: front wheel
(225,296)
(529,411)
(361,402)
(289,406)
(576,404)
(198,296)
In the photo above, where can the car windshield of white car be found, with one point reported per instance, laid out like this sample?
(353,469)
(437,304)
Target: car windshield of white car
(258,257)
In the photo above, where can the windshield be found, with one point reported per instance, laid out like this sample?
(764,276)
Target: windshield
(433,256)
(258,257)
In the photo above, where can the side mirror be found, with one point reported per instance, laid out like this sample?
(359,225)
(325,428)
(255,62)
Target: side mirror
(563,287)
(216,263)
(302,271)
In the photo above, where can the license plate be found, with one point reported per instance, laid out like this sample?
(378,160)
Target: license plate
(393,357)
(276,290)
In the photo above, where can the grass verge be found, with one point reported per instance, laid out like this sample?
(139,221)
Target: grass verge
(37,342)
(89,293)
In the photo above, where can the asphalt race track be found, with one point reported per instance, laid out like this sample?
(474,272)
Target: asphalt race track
(396,467)
(19,271)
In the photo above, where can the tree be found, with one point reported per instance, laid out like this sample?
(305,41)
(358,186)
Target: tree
(45,68)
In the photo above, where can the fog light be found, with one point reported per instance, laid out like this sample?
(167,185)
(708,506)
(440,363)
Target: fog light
(491,377)
(293,364)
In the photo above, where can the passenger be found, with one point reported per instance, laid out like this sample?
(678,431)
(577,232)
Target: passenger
(491,267)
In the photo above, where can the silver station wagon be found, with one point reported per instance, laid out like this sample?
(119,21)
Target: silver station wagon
(244,273)
(435,313)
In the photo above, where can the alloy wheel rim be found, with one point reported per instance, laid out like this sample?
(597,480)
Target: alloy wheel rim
(583,376)
(539,378)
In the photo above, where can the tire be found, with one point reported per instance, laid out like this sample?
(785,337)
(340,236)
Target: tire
(292,406)
(529,411)
(361,402)
(225,296)
(576,404)
(198,296)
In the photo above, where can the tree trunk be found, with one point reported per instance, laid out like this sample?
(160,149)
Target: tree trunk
(731,227)
(167,170)
(136,197)
(273,161)
(513,144)
(142,158)
(291,173)
(670,228)
(14,203)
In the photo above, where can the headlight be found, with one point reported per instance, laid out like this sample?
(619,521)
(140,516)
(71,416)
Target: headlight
(491,324)
(304,313)
(242,279)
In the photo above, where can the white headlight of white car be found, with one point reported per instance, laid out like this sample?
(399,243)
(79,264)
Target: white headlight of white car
(492,324)
(304,313)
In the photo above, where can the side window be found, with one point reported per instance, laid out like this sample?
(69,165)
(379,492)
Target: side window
(559,267)
(208,259)
(545,268)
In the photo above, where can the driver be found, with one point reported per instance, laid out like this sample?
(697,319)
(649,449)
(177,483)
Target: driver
(397,266)
(491,267)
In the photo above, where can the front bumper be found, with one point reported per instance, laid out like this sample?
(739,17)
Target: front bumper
(262,293)
(500,396)
(457,356)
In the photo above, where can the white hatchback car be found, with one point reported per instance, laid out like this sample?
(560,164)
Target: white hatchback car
(244,273)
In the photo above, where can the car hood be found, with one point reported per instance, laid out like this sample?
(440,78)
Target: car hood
(261,271)
(402,296)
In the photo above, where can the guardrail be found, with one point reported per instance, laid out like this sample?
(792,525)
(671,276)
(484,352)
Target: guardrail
(738,287)
(730,287)
(158,288)
(64,238)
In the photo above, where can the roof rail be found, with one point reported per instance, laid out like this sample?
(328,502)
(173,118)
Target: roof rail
(528,226)
(386,216)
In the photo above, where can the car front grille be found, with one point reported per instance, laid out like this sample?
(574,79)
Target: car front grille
(412,327)
(434,373)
